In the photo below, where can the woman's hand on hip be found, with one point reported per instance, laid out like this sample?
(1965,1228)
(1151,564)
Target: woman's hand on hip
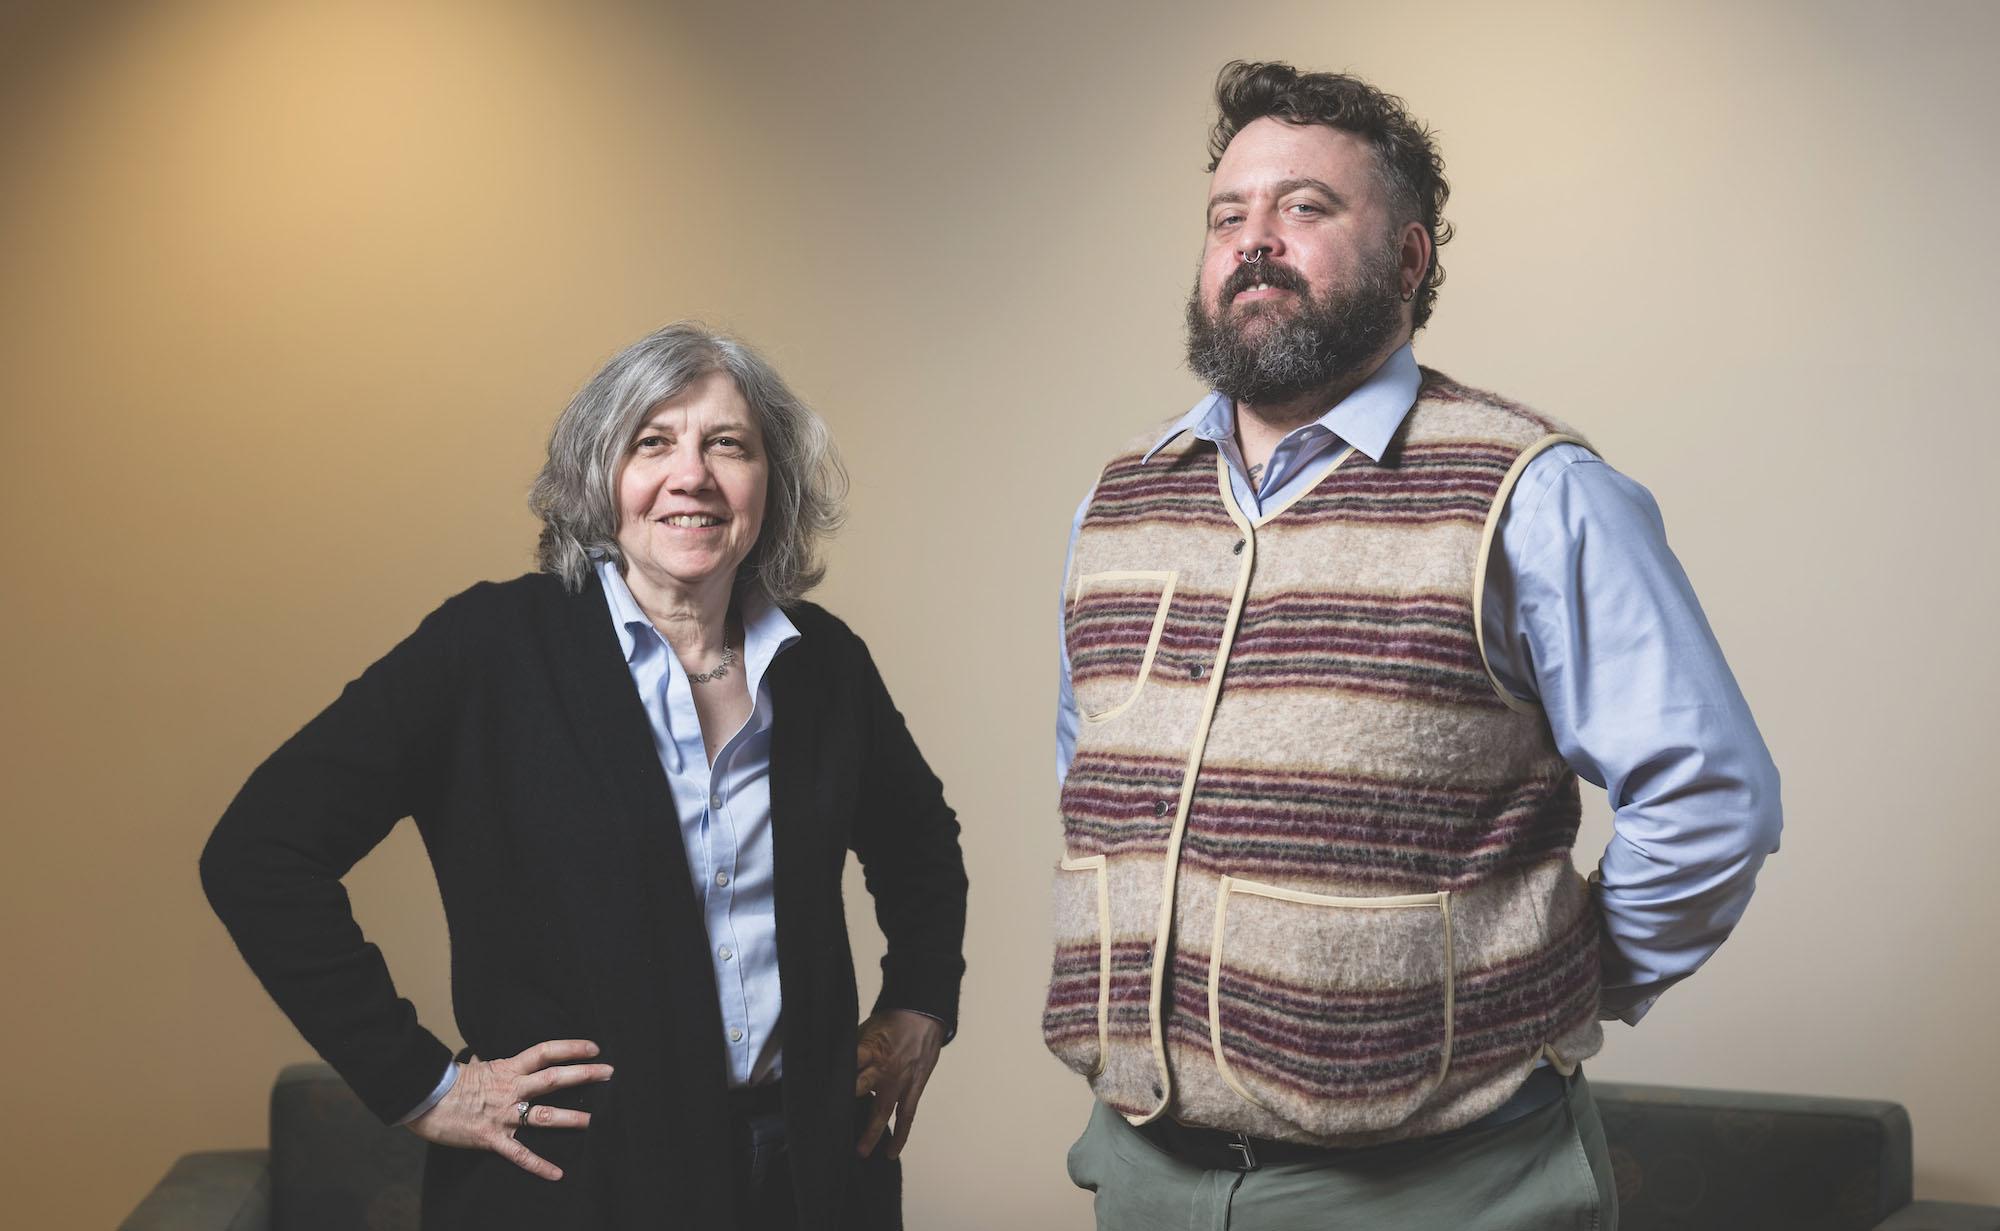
(482,1110)
(897,1050)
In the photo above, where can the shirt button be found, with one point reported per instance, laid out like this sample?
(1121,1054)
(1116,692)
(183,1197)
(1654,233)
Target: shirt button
(735,1035)
(726,952)
(722,878)
(1161,807)
(715,801)
(1194,671)
(1238,549)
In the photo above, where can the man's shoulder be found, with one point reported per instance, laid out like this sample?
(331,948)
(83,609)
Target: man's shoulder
(1451,409)
(1157,448)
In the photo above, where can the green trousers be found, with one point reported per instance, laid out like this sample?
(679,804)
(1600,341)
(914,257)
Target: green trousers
(1546,1171)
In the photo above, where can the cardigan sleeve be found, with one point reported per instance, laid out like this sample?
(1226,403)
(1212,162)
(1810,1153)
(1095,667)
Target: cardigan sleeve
(906,837)
(272,867)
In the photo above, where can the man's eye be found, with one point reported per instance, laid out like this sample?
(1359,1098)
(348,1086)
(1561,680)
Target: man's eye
(1306,207)
(1226,220)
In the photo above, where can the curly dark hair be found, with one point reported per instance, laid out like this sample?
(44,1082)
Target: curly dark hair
(1409,164)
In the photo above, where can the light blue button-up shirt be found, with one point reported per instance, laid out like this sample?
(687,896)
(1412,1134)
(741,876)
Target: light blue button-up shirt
(725,817)
(1587,613)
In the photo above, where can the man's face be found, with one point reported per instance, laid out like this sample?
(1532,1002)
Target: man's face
(1324,298)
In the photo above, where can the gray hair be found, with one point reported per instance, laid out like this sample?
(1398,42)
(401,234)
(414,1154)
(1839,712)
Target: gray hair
(576,494)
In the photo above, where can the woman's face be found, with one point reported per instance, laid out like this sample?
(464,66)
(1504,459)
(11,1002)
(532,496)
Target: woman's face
(691,491)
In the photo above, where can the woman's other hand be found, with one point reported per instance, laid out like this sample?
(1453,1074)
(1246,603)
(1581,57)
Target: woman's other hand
(897,1050)
(481,1111)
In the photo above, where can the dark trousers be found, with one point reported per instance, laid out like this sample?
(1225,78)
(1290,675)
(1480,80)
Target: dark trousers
(760,1163)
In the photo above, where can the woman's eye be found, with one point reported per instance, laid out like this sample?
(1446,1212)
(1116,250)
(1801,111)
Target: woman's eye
(650,442)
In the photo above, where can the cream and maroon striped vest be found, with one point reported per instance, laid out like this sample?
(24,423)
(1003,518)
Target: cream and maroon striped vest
(1318,883)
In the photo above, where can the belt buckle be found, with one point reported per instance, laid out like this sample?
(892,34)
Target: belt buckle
(1242,1146)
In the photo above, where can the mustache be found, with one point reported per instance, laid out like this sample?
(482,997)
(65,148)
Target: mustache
(1266,271)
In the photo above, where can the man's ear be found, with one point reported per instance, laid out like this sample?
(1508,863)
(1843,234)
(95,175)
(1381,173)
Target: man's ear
(1413,258)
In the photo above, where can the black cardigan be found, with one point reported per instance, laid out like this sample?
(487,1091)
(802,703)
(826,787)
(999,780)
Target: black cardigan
(508,727)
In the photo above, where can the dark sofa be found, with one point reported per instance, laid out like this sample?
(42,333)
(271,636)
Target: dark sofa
(1687,1160)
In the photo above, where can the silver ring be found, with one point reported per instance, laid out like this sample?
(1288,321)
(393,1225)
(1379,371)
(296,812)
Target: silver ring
(1254,255)
(521,1111)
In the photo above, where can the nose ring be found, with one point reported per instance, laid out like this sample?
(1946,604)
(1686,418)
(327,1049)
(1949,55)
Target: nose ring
(1254,255)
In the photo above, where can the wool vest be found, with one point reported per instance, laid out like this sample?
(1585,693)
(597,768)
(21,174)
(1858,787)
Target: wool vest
(1318,883)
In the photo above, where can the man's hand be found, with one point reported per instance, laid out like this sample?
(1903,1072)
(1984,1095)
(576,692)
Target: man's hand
(481,1110)
(898,1049)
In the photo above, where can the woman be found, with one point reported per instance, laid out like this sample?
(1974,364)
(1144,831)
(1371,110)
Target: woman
(637,773)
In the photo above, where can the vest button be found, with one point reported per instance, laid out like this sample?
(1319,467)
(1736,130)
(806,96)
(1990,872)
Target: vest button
(1161,807)
(1238,549)
(1194,671)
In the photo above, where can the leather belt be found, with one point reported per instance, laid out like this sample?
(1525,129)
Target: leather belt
(1215,1150)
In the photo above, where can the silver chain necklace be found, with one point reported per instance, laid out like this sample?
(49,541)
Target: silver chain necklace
(721,668)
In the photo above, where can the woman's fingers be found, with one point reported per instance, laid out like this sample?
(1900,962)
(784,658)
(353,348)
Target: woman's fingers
(866,1077)
(541,1115)
(878,1119)
(553,1051)
(511,1149)
(906,1111)
(560,1077)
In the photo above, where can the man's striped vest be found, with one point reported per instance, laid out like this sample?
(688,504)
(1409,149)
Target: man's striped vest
(1318,883)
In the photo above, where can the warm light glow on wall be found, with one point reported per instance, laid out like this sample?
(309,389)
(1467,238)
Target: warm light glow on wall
(289,294)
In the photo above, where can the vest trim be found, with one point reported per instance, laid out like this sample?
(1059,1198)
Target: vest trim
(1166,578)
(1096,864)
(1486,537)
(1165,927)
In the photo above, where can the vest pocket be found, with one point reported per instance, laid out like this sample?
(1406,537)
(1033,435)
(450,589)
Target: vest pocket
(1115,621)
(1331,1013)
(1075,1021)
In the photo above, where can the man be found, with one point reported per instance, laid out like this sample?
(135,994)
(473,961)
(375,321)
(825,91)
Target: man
(1336,647)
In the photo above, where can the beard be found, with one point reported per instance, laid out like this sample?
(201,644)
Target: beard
(1271,351)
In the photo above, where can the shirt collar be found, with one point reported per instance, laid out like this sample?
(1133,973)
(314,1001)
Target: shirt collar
(766,628)
(1366,418)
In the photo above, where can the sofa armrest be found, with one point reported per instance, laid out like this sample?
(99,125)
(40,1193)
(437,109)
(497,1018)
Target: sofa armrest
(1942,1216)
(221,1190)
(1730,1158)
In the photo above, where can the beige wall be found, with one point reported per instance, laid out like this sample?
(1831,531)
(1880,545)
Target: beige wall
(289,294)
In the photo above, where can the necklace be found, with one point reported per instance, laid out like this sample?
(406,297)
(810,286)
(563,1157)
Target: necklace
(721,669)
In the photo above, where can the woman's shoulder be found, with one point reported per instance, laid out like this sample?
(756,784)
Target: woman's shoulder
(823,630)
(829,642)
(527,590)
(517,605)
